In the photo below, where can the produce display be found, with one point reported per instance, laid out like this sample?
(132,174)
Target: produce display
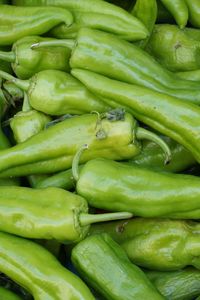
(99,149)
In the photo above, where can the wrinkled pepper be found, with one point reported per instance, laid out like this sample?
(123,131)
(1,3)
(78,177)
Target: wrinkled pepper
(26,62)
(17,22)
(175,49)
(38,271)
(156,244)
(49,213)
(94,14)
(168,115)
(55,92)
(8,295)
(109,185)
(113,135)
(106,267)
(177,285)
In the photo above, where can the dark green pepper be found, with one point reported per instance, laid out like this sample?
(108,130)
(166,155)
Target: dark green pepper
(17,22)
(109,185)
(8,295)
(174,48)
(49,213)
(113,135)
(170,116)
(106,267)
(156,244)
(55,92)
(94,14)
(38,271)
(177,285)
(26,62)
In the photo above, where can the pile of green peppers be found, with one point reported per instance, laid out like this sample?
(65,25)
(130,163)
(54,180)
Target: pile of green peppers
(99,149)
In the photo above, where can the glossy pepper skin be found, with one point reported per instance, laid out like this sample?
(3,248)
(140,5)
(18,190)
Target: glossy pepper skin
(55,92)
(177,285)
(156,244)
(179,11)
(8,295)
(112,274)
(26,62)
(94,14)
(175,49)
(53,149)
(170,116)
(50,213)
(38,271)
(29,21)
(113,185)
(107,55)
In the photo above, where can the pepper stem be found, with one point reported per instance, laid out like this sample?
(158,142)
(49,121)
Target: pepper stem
(7,56)
(75,162)
(26,105)
(87,219)
(142,133)
(22,84)
(54,43)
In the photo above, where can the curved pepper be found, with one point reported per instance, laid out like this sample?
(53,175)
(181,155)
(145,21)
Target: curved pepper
(94,14)
(57,93)
(194,12)
(156,244)
(105,54)
(8,295)
(106,267)
(168,115)
(26,62)
(112,185)
(49,213)
(174,48)
(113,135)
(177,285)
(38,271)
(179,10)
(29,21)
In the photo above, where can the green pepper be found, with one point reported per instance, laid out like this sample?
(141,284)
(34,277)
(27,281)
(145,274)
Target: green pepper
(109,185)
(106,54)
(179,11)
(26,62)
(94,14)
(145,11)
(174,48)
(170,116)
(31,213)
(38,271)
(177,285)
(194,12)
(156,244)
(55,92)
(106,267)
(190,75)
(29,21)
(113,135)
(8,295)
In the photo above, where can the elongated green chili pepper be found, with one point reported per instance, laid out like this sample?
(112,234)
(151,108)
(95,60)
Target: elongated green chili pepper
(17,22)
(112,274)
(26,62)
(168,115)
(8,295)
(38,271)
(194,12)
(174,48)
(156,244)
(95,14)
(177,285)
(113,135)
(31,213)
(179,10)
(57,93)
(146,193)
